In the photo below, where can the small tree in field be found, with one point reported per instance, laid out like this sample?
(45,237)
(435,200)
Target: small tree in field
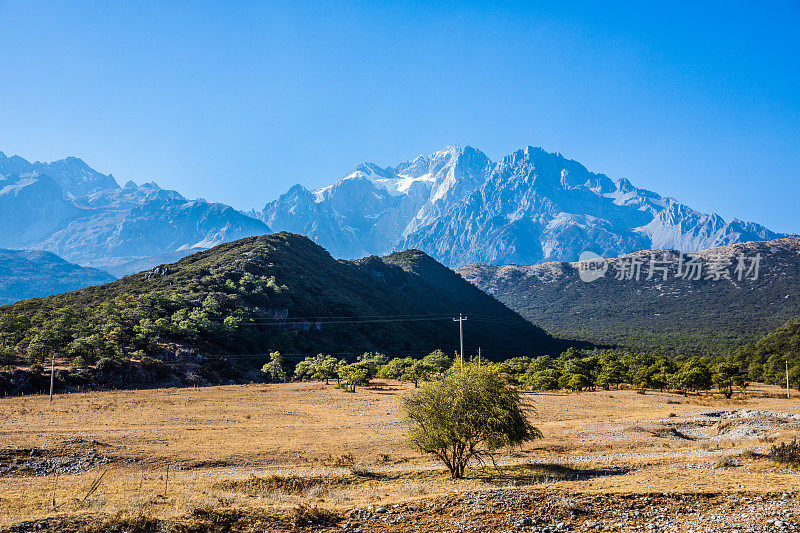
(725,376)
(467,414)
(274,369)
(354,374)
(319,367)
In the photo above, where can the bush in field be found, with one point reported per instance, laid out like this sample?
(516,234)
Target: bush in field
(787,453)
(468,414)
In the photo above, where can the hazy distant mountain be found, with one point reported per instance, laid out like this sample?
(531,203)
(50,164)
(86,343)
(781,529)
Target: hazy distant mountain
(29,274)
(462,208)
(678,313)
(84,216)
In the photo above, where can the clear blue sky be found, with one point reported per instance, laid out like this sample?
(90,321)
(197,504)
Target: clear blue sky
(236,101)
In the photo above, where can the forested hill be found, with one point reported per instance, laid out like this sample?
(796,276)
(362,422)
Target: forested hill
(720,312)
(272,292)
(766,359)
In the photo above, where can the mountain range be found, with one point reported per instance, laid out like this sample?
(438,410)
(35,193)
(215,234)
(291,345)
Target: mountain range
(732,295)
(455,204)
(462,208)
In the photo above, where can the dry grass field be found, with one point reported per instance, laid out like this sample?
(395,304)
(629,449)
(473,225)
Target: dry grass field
(280,452)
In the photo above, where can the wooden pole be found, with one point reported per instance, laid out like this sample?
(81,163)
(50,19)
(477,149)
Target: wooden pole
(52,374)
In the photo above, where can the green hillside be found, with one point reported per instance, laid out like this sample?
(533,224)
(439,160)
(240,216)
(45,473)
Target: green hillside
(274,292)
(685,316)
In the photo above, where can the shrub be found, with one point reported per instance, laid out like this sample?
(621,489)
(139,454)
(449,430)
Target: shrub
(78,362)
(726,461)
(6,356)
(786,452)
(106,364)
(468,414)
(438,360)
(156,366)
(306,515)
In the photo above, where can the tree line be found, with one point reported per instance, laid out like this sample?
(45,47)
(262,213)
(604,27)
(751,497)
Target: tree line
(574,370)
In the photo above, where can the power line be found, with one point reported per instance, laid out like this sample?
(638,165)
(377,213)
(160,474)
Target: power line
(326,321)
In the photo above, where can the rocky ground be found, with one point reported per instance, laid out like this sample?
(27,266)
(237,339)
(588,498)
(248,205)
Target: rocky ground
(502,510)
(546,512)
(44,462)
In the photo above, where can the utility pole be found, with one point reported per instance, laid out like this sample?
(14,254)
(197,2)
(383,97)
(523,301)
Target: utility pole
(460,321)
(52,374)
(479,356)
(787,379)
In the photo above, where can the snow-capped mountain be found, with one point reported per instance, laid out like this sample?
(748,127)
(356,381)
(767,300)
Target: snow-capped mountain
(67,208)
(462,208)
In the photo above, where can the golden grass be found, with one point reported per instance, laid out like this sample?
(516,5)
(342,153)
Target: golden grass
(310,446)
